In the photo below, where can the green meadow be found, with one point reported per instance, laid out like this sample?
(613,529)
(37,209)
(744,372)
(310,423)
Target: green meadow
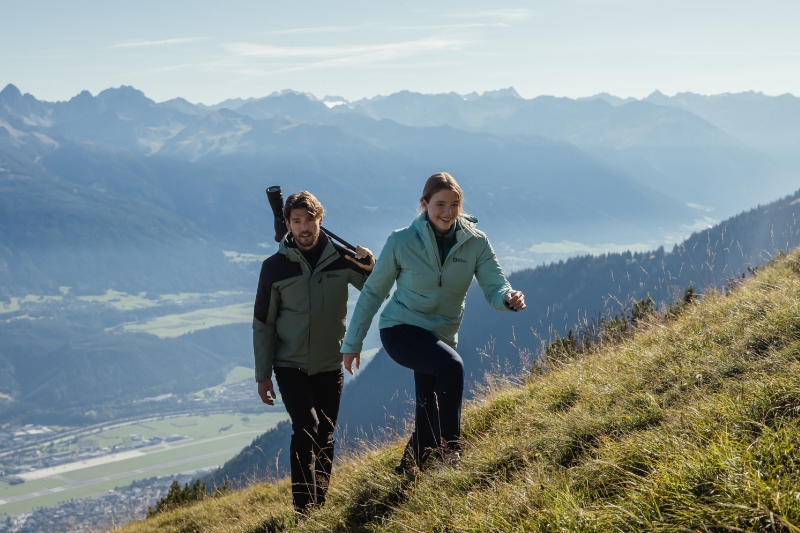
(211,440)
(175,325)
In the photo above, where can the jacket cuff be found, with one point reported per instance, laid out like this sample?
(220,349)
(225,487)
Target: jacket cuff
(351,348)
(263,375)
(508,307)
(504,305)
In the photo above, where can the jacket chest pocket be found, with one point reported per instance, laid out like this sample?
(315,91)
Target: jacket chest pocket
(334,290)
(459,269)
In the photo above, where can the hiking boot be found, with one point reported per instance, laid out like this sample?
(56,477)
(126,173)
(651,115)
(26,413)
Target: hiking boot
(448,460)
(407,469)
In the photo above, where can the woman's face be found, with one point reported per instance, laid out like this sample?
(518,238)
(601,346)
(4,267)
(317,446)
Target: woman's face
(443,209)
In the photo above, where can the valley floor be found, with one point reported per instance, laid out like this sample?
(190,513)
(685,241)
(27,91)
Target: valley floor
(201,442)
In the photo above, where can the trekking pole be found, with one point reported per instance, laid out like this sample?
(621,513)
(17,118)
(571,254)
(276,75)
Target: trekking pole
(275,198)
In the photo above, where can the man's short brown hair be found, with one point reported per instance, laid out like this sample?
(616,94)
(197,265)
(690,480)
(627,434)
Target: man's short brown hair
(303,200)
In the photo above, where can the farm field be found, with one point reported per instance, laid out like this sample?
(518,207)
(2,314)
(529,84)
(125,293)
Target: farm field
(175,325)
(208,442)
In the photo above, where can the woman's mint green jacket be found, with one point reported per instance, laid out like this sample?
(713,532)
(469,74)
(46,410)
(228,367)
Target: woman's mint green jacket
(429,295)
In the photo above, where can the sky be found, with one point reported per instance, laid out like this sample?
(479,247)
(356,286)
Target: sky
(208,51)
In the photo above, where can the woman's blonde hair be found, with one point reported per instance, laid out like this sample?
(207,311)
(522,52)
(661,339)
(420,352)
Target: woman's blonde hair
(439,182)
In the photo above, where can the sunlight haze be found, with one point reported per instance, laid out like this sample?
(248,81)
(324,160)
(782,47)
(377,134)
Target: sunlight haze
(205,52)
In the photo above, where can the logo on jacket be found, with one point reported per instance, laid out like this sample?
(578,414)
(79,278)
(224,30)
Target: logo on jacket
(459,260)
(333,276)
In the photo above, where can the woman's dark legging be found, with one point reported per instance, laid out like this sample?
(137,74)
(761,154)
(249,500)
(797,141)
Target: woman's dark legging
(439,383)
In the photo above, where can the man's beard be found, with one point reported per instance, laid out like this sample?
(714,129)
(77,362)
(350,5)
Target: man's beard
(306,239)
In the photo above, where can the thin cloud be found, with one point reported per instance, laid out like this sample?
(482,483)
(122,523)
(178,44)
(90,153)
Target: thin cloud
(343,29)
(452,26)
(251,60)
(319,29)
(252,71)
(700,53)
(418,65)
(342,51)
(163,42)
(503,14)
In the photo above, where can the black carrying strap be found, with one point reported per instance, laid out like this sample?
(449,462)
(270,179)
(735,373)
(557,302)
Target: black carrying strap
(350,247)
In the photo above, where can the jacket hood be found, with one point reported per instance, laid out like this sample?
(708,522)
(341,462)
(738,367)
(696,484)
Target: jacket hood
(289,248)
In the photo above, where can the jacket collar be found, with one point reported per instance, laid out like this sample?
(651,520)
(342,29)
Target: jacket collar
(449,234)
(466,226)
(465,230)
(288,248)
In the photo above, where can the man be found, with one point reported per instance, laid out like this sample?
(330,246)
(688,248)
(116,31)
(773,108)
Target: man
(298,327)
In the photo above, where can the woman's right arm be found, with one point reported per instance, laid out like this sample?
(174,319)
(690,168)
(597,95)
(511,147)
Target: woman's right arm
(372,296)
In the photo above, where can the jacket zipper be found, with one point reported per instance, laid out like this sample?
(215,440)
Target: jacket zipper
(441,262)
(310,276)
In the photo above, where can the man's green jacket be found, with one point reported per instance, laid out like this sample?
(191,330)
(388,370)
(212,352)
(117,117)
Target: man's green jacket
(300,313)
(430,291)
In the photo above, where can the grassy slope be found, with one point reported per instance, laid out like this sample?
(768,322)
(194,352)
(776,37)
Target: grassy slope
(690,425)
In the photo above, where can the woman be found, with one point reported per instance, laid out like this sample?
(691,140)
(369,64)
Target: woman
(433,262)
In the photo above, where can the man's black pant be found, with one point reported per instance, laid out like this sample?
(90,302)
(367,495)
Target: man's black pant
(439,384)
(313,405)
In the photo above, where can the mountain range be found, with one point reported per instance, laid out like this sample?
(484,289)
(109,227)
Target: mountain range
(118,192)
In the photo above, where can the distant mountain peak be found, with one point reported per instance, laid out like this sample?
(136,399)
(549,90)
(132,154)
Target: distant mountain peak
(182,105)
(124,92)
(224,113)
(230,103)
(609,98)
(333,101)
(292,92)
(10,93)
(510,92)
(656,96)
(82,96)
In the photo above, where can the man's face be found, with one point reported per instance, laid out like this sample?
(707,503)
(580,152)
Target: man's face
(304,227)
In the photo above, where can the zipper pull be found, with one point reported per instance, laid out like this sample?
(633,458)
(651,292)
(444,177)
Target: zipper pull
(440,278)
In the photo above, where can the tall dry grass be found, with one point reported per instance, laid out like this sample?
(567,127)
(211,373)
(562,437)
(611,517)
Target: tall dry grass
(689,424)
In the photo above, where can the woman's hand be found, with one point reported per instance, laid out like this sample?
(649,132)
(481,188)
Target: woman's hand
(515,300)
(348,361)
(361,253)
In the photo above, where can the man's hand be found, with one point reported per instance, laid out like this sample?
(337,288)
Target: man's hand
(265,390)
(515,300)
(361,253)
(348,361)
